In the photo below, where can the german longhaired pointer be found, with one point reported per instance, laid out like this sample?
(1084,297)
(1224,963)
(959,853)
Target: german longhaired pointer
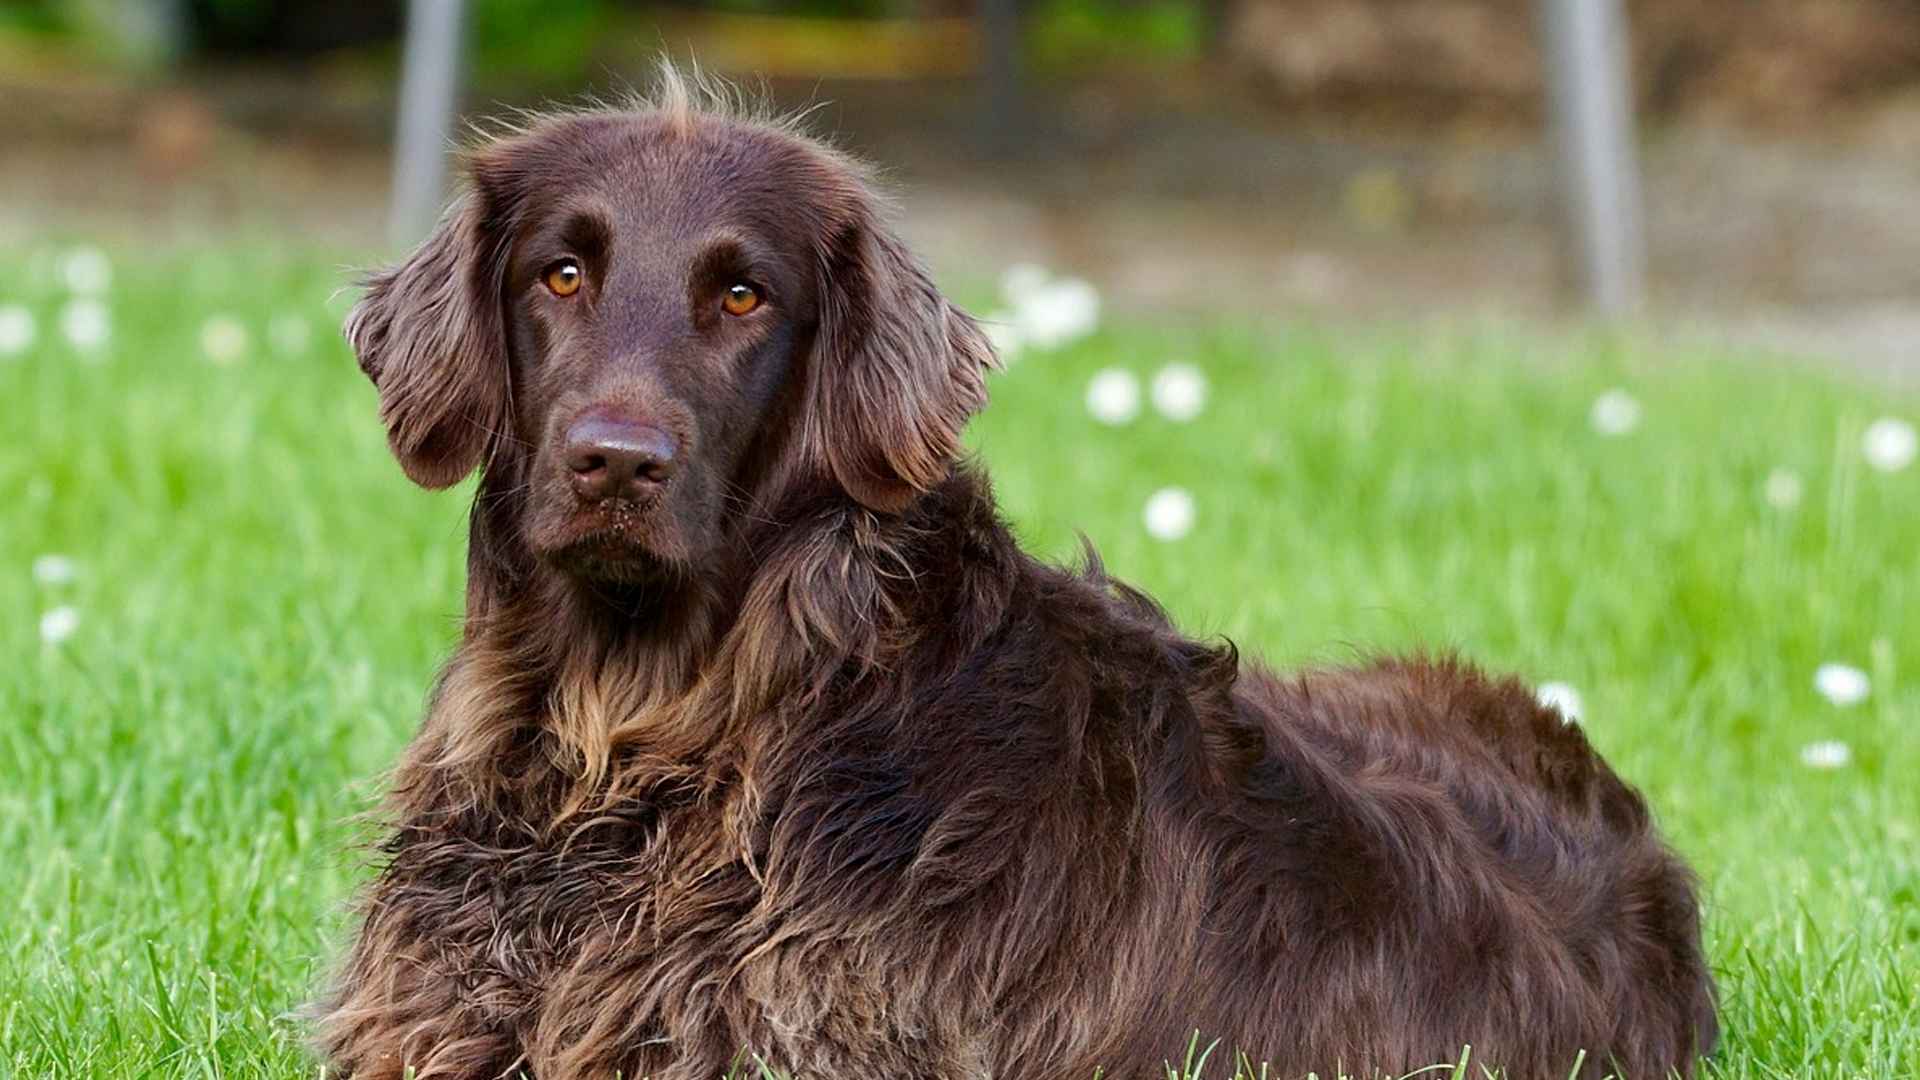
(765,746)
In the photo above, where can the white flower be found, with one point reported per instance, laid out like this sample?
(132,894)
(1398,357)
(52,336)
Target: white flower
(59,624)
(55,570)
(1615,412)
(17,330)
(1063,312)
(1784,489)
(86,324)
(1890,444)
(1179,391)
(1842,684)
(1827,754)
(223,339)
(1113,396)
(1049,312)
(87,271)
(1169,514)
(290,334)
(1563,699)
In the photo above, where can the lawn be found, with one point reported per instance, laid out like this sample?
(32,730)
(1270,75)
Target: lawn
(221,605)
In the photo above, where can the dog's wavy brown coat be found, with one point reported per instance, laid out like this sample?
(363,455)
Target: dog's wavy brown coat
(803,758)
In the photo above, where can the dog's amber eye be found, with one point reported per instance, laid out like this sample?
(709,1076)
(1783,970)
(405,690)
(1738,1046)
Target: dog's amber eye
(740,299)
(564,278)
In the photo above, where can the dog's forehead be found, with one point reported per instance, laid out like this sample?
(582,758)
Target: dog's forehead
(684,169)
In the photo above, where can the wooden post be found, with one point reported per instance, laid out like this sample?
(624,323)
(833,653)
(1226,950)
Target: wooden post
(1590,100)
(429,86)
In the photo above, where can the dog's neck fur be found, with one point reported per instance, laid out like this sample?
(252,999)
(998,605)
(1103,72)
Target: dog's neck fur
(563,676)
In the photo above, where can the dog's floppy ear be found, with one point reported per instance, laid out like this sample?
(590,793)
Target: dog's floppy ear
(897,371)
(429,333)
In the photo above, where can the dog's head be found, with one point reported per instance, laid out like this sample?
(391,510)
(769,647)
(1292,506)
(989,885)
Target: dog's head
(648,319)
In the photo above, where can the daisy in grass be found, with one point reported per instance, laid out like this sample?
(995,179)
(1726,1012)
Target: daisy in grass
(86,271)
(1842,684)
(1179,391)
(55,570)
(1563,699)
(18,330)
(1826,754)
(1043,312)
(1615,413)
(1113,396)
(87,326)
(59,624)
(1169,513)
(1890,444)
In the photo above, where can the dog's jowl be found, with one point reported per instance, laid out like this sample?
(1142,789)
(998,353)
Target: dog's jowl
(764,739)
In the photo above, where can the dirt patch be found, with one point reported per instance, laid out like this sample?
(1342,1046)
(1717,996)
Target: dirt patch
(1765,62)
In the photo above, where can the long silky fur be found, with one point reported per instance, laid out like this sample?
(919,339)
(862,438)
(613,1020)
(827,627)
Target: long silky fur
(872,793)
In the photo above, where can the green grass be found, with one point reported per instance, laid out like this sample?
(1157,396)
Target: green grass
(262,600)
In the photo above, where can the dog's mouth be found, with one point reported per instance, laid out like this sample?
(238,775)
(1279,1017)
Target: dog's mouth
(614,541)
(612,558)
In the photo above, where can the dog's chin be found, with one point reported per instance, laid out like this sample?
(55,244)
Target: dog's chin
(610,549)
(613,560)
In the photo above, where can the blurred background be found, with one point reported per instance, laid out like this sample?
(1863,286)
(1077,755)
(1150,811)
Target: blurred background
(1360,157)
(1312,358)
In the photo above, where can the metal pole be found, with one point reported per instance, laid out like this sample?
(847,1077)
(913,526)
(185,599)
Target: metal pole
(1591,103)
(429,84)
(1000,77)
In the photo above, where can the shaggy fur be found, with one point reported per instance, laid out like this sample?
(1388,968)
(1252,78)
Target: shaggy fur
(793,753)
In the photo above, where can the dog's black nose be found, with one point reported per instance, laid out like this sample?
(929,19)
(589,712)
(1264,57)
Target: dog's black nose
(613,458)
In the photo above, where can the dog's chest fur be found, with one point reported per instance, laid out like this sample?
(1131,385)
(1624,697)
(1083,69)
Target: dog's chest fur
(697,909)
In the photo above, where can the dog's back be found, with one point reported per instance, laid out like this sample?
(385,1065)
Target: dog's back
(1420,811)
(1366,870)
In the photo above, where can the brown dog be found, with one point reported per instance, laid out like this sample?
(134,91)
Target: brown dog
(765,739)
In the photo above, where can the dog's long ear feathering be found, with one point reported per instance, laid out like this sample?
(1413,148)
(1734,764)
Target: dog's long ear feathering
(897,370)
(430,336)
